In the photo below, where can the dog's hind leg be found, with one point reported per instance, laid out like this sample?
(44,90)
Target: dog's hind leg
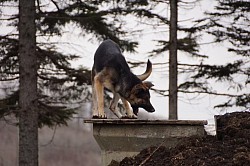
(128,109)
(113,105)
(99,92)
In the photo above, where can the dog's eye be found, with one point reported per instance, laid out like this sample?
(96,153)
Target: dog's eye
(141,101)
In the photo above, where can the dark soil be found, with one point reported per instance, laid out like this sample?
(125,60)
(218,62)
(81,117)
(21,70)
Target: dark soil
(231,147)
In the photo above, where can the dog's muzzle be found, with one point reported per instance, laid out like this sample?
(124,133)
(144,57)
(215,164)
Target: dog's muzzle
(148,108)
(151,109)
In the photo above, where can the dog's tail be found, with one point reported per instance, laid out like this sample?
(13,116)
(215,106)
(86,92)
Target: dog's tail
(147,73)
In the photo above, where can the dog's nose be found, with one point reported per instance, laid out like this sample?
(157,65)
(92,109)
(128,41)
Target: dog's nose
(150,109)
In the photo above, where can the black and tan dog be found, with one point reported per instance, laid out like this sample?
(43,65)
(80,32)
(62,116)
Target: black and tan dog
(110,70)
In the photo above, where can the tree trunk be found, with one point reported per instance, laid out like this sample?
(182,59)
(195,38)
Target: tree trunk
(173,73)
(28,114)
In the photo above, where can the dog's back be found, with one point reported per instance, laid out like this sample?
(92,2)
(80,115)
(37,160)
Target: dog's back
(109,54)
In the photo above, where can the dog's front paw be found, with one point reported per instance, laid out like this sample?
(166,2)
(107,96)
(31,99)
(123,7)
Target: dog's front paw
(99,116)
(131,116)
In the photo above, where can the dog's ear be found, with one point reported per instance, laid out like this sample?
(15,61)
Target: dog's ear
(137,88)
(148,84)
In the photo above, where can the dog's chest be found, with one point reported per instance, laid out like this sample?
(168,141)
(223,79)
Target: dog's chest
(108,84)
(109,79)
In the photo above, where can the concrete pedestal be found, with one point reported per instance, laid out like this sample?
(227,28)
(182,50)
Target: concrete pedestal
(120,138)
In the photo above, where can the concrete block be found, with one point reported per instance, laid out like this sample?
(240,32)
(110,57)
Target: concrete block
(120,138)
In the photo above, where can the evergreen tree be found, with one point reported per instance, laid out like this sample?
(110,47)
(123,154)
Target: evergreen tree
(228,24)
(28,114)
(182,38)
(173,72)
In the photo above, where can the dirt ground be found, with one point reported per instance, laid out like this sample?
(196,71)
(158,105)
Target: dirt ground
(231,147)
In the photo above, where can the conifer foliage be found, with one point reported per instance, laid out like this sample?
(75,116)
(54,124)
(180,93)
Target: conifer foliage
(229,24)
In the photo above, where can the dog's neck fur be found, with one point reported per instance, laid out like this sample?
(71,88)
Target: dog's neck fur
(124,89)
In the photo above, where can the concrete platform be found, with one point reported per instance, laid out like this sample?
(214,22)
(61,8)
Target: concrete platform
(119,138)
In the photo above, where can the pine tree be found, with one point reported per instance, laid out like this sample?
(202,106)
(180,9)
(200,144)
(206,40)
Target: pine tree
(173,72)
(28,114)
(55,76)
(181,39)
(228,24)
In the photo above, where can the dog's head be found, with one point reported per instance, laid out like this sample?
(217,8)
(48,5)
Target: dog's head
(140,97)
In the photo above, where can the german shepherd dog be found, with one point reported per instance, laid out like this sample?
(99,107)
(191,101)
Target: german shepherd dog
(111,71)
